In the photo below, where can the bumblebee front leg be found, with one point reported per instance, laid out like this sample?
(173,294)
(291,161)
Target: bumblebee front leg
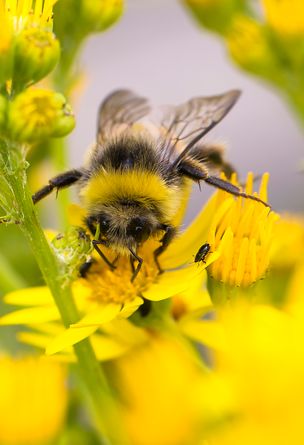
(58,182)
(139,264)
(95,243)
(170,233)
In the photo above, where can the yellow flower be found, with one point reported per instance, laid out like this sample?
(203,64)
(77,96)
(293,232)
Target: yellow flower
(285,16)
(23,14)
(160,385)
(242,231)
(104,296)
(33,400)
(262,362)
(36,114)
(28,48)
(288,246)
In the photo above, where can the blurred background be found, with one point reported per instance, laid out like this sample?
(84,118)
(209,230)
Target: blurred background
(158,50)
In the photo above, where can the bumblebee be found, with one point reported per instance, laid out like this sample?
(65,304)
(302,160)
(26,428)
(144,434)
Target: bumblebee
(133,180)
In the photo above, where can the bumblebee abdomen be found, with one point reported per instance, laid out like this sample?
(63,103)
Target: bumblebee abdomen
(141,187)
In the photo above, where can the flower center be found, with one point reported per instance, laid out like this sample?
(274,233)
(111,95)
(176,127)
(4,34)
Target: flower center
(107,286)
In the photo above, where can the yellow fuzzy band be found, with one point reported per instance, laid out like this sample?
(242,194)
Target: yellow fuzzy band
(145,187)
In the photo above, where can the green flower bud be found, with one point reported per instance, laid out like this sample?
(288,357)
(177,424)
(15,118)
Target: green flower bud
(100,15)
(250,48)
(215,15)
(36,54)
(72,248)
(38,114)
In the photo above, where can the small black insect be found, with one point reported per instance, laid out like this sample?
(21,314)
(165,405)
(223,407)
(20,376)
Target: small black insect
(202,253)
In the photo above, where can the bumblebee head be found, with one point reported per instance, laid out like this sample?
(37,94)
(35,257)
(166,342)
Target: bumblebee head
(123,227)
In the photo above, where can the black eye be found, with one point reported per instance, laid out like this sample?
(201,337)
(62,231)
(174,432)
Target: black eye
(139,229)
(104,224)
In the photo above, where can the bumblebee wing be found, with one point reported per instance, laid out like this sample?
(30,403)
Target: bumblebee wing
(118,111)
(190,121)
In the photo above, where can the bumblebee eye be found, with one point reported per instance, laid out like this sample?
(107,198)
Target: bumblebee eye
(104,224)
(139,229)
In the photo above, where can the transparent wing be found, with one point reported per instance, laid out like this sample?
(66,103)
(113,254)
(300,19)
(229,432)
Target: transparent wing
(118,111)
(190,121)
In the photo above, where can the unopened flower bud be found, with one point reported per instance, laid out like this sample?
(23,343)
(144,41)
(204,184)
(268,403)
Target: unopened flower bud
(100,15)
(39,114)
(215,15)
(36,54)
(72,248)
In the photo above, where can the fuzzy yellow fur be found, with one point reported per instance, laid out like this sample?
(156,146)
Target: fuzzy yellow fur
(145,187)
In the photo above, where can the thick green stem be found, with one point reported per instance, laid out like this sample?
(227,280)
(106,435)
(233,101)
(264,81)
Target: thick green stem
(90,368)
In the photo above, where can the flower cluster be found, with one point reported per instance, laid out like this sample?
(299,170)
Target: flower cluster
(207,352)
(264,39)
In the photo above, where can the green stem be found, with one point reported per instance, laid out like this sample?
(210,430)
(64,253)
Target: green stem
(90,369)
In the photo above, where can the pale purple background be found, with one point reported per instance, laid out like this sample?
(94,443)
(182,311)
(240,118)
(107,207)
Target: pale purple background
(160,52)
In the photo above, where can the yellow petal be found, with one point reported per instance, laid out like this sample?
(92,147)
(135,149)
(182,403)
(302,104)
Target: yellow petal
(107,348)
(69,337)
(171,283)
(103,313)
(31,296)
(183,249)
(125,331)
(207,332)
(34,339)
(31,316)
(130,307)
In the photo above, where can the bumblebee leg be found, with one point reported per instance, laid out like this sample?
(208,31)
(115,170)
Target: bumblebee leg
(95,243)
(85,267)
(58,182)
(165,241)
(232,189)
(198,172)
(138,267)
(132,264)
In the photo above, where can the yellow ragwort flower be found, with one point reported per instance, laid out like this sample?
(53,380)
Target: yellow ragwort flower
(28,48)
(106,298)
(25,13)
(262,362)
(160,385)
(285,16)
(33,400)
(36,114)
(242,231)
(288,245)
